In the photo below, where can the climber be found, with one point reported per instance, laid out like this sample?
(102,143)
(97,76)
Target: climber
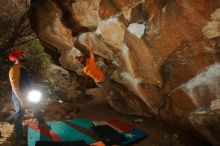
(93,71)
(20,84)
(90,67)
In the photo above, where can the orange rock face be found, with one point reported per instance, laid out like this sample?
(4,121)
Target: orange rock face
(166,53)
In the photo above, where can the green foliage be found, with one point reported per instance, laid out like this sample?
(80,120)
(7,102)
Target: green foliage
(37,60)
(5,65)
(2,41)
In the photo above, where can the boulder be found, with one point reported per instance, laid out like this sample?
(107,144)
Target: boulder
(166,53)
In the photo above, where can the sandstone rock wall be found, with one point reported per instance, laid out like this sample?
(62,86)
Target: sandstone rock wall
(166,52)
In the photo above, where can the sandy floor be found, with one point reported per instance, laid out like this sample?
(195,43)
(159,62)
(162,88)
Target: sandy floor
(97,109)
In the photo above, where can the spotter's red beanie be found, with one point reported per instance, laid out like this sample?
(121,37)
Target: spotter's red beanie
(15,54)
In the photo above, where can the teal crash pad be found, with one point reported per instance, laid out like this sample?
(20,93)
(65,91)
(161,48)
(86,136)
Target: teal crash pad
(80,129)
(60,131)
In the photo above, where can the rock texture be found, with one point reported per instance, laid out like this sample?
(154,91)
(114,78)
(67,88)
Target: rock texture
(166,53)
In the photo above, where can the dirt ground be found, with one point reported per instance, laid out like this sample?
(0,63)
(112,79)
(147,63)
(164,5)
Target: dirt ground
(95,108)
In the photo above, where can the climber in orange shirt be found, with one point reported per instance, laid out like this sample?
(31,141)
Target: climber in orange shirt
(90,67)
(93,71)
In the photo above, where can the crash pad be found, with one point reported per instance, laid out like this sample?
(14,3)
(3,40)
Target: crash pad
(131,134)
(80,130)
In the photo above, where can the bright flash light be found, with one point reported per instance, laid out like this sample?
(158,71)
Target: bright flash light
(34,96)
